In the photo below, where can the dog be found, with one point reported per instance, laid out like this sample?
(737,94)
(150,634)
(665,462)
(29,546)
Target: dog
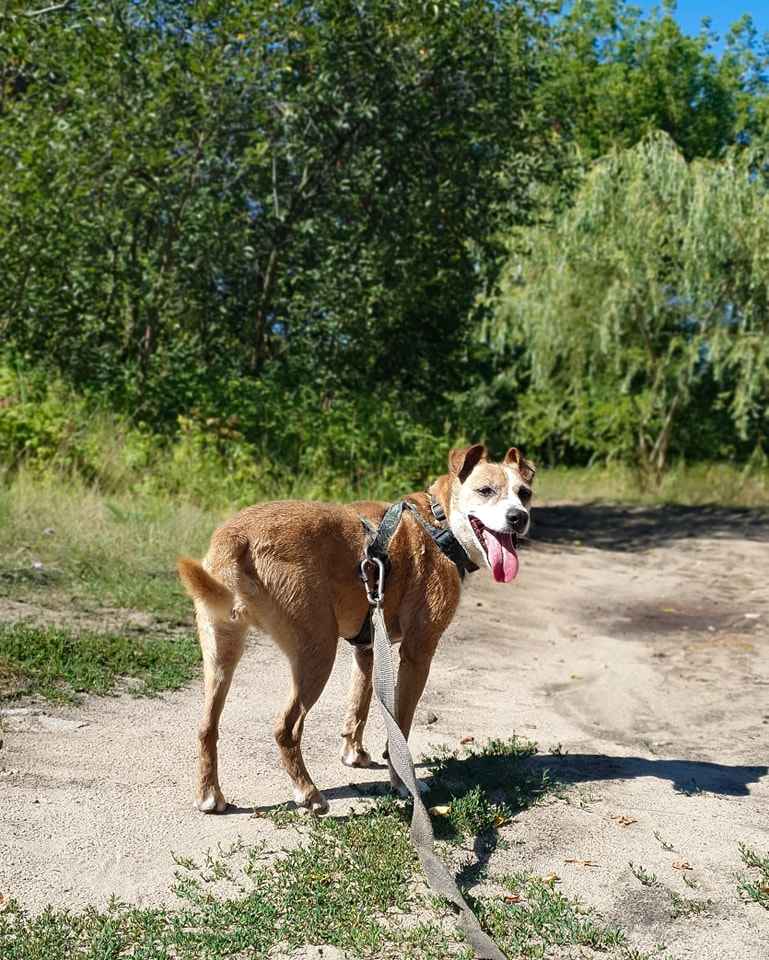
(291,569)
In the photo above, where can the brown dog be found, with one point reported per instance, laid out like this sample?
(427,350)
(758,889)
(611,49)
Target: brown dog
(291,568)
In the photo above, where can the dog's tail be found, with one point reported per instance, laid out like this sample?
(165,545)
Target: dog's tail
(218,599)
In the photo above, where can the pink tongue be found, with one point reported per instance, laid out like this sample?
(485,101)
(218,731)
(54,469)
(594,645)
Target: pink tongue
(502,555)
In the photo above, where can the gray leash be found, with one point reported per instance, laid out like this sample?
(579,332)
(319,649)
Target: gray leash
(422,838)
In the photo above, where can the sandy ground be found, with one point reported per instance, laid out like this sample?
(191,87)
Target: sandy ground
(637,640)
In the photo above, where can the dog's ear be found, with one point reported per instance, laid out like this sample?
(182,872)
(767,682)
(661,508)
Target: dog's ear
(463,459)
(526,468)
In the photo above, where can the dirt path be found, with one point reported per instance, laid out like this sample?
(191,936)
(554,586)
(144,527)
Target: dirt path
(638,641)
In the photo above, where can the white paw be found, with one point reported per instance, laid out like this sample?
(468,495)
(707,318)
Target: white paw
(314,803)
(211,802)
(356,758)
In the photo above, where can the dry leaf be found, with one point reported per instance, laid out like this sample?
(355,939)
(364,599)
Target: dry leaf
(467,740)
(624,821)
(440,809)
(551,879)
(682,865)
(582,863)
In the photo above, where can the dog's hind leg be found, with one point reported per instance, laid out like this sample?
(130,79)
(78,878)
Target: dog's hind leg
(309,672)
(222,645)
(359,701)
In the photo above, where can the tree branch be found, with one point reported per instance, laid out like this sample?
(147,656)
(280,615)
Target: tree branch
(51,9)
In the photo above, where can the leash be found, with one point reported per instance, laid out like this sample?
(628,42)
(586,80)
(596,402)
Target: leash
(437,873)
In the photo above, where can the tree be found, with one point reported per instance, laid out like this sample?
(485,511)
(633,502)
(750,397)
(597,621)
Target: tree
(653,285)
(193,193)
(618,75)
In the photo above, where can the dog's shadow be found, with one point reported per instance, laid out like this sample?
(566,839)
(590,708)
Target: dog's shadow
(688,777)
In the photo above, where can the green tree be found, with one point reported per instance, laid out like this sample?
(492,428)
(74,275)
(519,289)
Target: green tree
(647,298)
(618,75)
(196,193)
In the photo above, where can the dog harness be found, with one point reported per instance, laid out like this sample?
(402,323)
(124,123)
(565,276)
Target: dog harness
(376,561)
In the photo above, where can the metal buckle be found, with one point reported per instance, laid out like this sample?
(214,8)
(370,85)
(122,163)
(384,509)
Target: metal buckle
(375,597)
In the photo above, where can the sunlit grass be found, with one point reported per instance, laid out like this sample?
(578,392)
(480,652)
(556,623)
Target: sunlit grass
(718,484)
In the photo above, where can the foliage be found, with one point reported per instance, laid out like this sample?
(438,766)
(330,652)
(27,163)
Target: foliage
(618,74)
(193,194)
(261,240)
(642,310)
(754,887)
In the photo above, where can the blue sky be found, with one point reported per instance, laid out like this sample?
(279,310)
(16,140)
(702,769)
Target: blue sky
(722,12)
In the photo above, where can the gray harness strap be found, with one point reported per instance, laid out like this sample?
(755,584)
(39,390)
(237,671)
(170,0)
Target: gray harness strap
(437,873)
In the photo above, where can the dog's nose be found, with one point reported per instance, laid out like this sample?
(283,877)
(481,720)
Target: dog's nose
(517,518)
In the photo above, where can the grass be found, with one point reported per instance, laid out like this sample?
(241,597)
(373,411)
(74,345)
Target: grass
(60,664)
(353,883)
(64,539)
(679,906)
(756,886)
(535,916)
(719,484)
(479,789)
(71,543)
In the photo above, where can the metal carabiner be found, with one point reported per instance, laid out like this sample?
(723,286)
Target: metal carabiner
(375,598)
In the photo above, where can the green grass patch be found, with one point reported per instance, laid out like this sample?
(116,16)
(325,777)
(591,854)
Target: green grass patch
(719,484)
(60,664)
(78,546)
(480,788)
(535,917)
(353,883)
(756,886)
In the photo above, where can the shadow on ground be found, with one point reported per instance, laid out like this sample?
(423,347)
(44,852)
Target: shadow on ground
(687,776)
(609,527)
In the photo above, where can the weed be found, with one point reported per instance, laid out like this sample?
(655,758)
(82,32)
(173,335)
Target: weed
(484,786)
(682,907)
(283,815)
(663,843)
(60,664)
(755,888)
(351,884)
(538,917)
(646,878)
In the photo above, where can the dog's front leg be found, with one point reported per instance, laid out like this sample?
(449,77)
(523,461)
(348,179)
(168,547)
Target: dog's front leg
(359,701)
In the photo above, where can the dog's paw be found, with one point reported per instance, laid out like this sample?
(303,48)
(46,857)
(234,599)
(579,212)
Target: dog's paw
(314,803)
(211,801)
(356,758)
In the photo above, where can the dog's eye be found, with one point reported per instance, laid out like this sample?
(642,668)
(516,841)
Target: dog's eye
(524,494)
(486,491)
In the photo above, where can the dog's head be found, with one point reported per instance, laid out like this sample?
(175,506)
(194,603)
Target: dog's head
(489,506)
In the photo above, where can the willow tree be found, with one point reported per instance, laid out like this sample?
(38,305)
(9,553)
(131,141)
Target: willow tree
(654,282)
